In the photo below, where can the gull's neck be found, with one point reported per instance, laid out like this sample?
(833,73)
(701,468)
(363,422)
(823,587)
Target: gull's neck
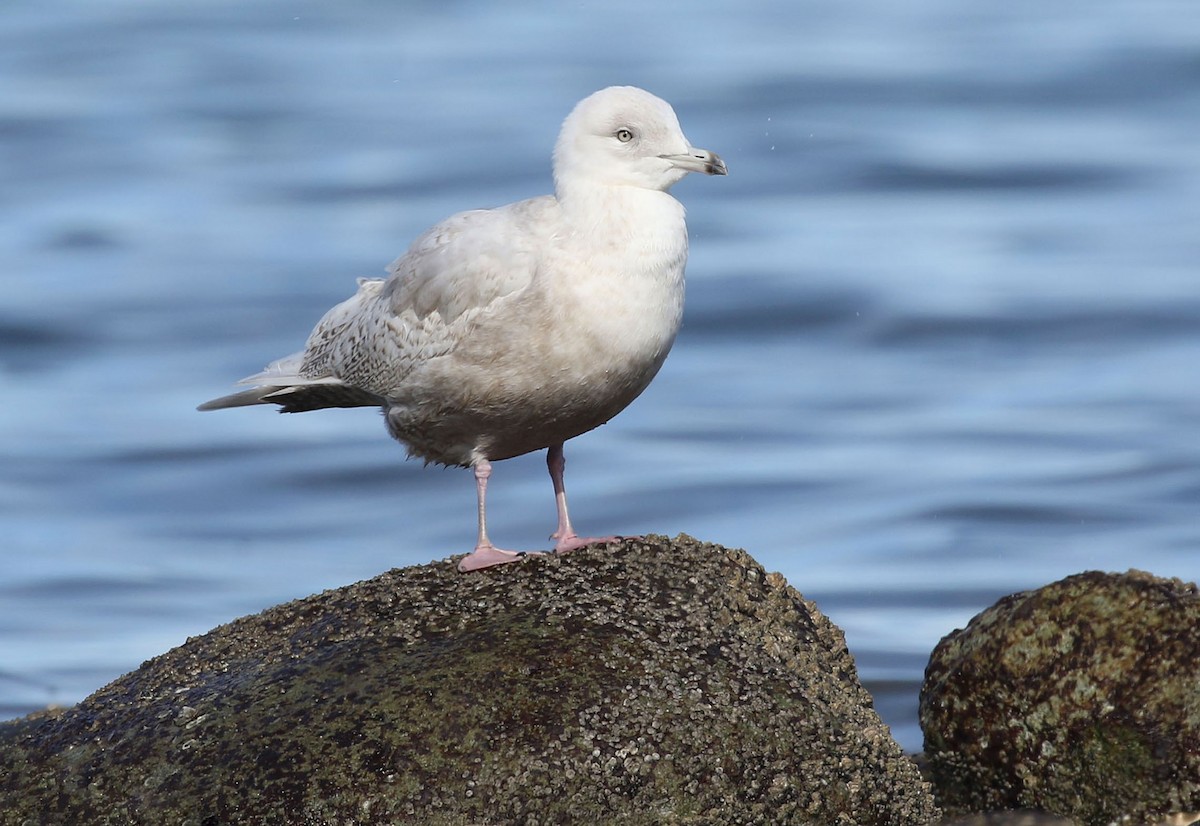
(634,219)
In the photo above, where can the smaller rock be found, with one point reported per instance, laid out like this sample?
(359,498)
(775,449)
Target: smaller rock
(1081,698)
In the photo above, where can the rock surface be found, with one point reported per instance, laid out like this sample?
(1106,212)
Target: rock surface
(1081,698)
(1010,819)
(659,681)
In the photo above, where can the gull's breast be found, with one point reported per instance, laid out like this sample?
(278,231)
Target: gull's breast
(553,361)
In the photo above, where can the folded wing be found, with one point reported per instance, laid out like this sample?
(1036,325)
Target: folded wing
(360,352)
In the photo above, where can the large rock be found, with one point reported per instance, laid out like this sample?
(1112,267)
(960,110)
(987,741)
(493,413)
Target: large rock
(1081,698)
(656,682)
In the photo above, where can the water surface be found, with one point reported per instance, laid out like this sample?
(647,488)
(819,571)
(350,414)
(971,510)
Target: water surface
(941,342)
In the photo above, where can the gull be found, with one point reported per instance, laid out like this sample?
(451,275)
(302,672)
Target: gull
(509,330)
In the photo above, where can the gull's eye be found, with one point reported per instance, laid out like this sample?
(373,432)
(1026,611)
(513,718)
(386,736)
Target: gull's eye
(624,135)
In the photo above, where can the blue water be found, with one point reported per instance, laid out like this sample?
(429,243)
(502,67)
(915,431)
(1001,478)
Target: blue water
(942,340)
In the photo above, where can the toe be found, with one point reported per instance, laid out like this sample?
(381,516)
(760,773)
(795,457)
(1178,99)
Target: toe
(482,558)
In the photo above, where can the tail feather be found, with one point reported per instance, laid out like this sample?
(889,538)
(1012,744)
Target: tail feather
(299,398)
(281,384)
(246,397)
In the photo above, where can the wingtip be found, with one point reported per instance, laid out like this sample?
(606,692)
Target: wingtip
(212,404)
(243,398)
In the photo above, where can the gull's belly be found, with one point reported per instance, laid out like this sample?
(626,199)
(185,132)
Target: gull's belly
(568,406)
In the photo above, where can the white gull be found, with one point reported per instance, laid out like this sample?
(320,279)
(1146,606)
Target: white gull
(504,331)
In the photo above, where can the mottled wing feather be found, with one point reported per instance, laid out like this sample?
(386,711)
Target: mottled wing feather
(340,341)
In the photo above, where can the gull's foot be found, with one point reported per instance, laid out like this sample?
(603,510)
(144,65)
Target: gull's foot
(487,557)
(567,544)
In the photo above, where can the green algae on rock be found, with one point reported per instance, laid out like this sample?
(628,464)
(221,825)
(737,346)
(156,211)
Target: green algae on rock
(655,681)
(1081,698)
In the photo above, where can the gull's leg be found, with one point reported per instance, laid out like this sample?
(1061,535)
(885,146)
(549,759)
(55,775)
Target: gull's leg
(485,554)
(556,463)
(565,539)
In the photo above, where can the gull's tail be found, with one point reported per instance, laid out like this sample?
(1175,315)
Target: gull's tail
(282,384)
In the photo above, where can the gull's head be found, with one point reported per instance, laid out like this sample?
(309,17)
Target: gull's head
(625,136)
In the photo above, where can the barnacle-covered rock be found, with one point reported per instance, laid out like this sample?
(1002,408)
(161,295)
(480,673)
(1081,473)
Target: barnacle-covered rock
(655,681)
(1081,698)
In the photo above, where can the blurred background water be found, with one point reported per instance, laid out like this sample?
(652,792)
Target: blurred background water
(941,343)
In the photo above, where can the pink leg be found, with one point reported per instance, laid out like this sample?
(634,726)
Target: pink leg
(565,537)
(485,554)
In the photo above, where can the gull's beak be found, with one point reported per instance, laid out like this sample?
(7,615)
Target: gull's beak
(698,160)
